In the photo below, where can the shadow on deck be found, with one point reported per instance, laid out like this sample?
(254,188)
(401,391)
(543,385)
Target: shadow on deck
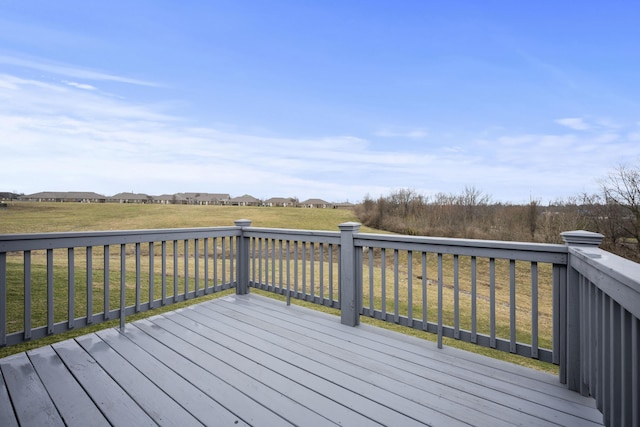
(251,360)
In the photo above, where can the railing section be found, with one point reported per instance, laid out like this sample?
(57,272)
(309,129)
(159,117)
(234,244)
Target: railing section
(493,294)
(603,330)
(300,264)
(54,282)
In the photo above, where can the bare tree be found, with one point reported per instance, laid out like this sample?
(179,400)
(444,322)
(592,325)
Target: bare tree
(472,200)
(621,188)
(532,217)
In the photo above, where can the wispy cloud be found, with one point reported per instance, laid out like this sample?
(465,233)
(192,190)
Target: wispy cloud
(575,123)
(81,85)
(402,133)
(70,70)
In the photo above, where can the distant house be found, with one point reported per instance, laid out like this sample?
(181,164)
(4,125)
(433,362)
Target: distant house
(201,198)
(130,198)
(316,203)
(65,196)
(211,198)
(280,202)
(9,196)
(167,199)
(245,200)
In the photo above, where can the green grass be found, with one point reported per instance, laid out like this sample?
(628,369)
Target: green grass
(59,217)
(31,217)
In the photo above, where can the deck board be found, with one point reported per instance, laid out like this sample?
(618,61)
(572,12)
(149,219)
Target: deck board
(251,360)
(194,400)
(363,378)
(542,398)
(72,402)
(114,402)
(443,391)
(32,404)
(305,405)
(7,416)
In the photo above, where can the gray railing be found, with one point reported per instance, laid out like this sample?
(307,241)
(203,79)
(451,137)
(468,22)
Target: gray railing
(301,264)
(388,277)
(603,331)
(55,282)
(573,305)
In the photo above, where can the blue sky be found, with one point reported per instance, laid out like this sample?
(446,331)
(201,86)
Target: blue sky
(328,99)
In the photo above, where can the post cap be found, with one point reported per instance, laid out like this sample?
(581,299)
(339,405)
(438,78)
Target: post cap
(242,222)
(349,226)
(582,238)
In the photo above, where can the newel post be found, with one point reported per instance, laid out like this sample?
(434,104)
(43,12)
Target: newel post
(349,287)
(242,264)
(570,370)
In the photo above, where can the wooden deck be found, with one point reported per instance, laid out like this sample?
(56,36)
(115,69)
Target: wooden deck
(250,360)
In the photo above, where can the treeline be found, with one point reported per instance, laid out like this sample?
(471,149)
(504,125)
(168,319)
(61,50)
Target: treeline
(615,213)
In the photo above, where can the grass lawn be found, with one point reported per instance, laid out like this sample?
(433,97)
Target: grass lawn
(31,217)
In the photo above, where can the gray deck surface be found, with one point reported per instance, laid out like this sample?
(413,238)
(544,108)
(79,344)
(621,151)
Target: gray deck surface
(251,360)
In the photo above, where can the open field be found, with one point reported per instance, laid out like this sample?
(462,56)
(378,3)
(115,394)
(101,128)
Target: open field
(32,217)
(50,217)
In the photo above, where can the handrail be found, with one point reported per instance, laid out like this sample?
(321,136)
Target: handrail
(37,241)
(551,253)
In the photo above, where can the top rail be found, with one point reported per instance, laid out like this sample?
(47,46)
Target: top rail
(316,236)
(521,251)
(39,241)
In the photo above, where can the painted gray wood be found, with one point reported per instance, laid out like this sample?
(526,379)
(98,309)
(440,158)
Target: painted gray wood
(306,406)
(3,298)
(32,404)
(7,416)
(328,387)
(350,292)
(521,251)
(602,310)
(243,259)
(249,410)
(297,351)
(79,241)
(25,242)
(465,383)
(114,402)
(152,399)
(255,361)
(201,406)
(71,401)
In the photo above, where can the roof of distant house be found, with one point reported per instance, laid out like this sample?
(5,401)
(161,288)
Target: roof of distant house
(65,195)
(130,196)
(245,198)
(315,202)
(281,200)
